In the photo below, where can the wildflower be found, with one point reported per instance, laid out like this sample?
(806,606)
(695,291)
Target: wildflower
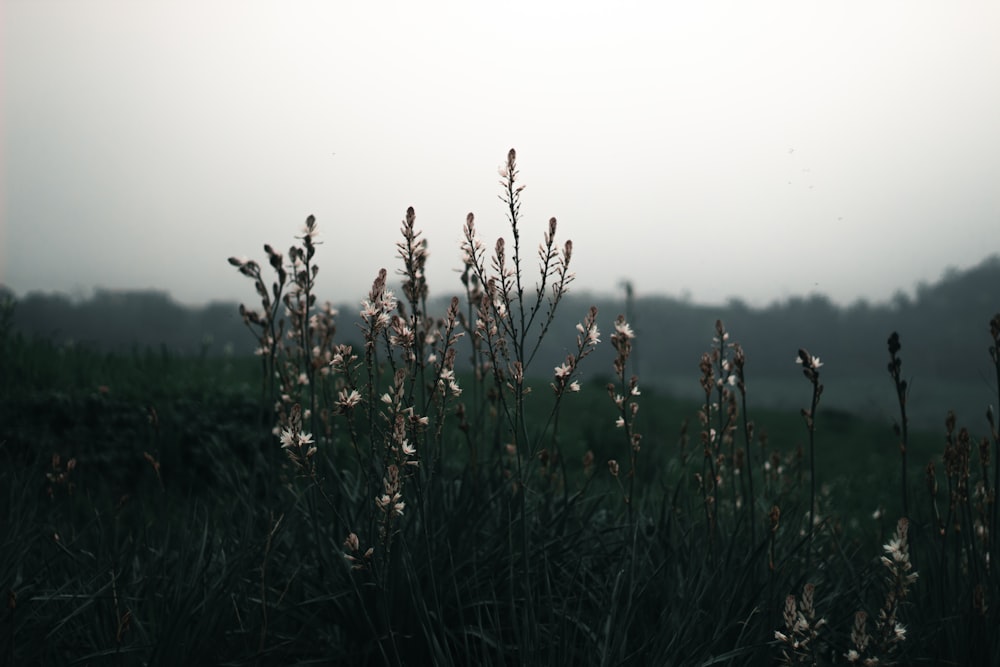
(624,329)
(391,501)
(347,401)
(290,439)
(393,504)
(590,335)
(809,361)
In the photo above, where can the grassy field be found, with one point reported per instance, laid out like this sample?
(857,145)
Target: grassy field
(368,505)
(154,544)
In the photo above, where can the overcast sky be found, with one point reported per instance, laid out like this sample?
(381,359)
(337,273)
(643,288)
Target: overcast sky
(715,149)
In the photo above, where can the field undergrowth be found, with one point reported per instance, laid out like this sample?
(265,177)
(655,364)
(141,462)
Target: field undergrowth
(436,493)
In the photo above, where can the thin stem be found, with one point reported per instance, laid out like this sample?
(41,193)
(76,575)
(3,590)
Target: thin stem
(895,364)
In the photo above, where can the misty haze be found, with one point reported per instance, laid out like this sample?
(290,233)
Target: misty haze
(302,361)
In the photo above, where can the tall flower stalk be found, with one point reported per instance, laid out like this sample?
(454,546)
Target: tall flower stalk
(810,368)
(901,429)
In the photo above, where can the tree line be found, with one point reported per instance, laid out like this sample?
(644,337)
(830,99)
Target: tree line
(943,328)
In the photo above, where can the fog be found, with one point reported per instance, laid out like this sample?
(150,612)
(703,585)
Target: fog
(712,150)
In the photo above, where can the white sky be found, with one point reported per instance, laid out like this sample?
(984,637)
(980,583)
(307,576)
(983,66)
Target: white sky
(755,149)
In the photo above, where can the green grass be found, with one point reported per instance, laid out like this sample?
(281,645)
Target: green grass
(184,559)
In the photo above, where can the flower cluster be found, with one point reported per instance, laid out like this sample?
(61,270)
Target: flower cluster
(353,555)
(391,501)
(298,445)
(889,631)
(294,333)
(587,339)
(377,310)
(801,628)
(623,395)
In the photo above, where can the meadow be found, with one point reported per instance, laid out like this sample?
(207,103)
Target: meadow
(440,493)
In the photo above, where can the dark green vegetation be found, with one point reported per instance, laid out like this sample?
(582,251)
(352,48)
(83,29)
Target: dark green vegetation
(942,323)
(557,510)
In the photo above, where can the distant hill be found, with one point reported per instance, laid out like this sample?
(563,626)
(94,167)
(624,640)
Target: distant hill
(120,321)
(944,330)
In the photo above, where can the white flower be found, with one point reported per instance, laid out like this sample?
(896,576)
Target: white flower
(620,422)
(624,329)
(592,336)
(575,386)
(290,439)
(388,301)
(894,549)
(814,361)
(348,400)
